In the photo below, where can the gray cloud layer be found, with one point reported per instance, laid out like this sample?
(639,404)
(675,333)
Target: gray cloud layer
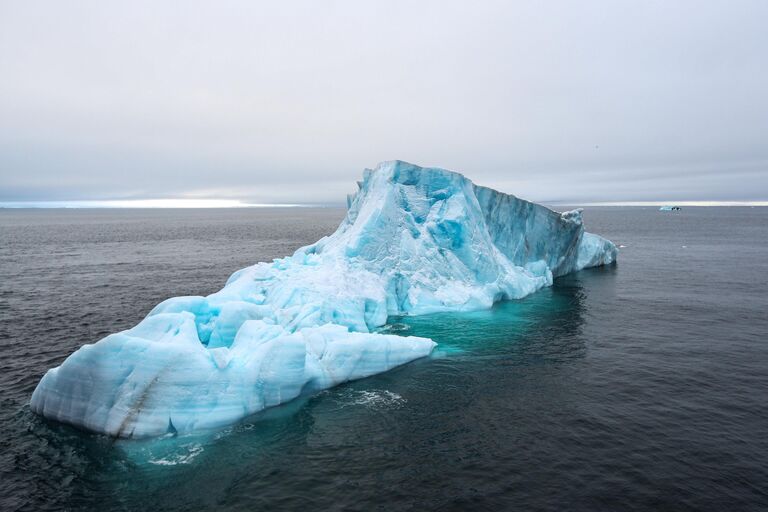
(288,101)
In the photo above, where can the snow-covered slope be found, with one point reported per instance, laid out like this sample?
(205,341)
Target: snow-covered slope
(415,240)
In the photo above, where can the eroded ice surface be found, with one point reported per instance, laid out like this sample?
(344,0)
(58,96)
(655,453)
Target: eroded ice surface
(415,240)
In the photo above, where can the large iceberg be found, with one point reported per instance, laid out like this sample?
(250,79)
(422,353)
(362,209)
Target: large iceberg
(414,241)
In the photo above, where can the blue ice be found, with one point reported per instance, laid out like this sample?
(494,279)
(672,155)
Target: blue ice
(414,241)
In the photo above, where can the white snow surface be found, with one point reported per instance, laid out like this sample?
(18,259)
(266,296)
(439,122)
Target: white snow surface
(414,241)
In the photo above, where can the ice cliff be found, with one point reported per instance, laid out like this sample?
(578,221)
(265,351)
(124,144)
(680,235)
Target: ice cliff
(415,240)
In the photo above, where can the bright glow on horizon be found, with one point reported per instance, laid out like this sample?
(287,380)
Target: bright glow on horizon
(146,203)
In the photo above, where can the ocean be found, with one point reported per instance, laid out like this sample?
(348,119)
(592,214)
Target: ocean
(639,386)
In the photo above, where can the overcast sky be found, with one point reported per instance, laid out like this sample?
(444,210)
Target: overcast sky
(288,101)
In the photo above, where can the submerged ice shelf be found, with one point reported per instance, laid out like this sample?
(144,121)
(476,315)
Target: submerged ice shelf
(414,241)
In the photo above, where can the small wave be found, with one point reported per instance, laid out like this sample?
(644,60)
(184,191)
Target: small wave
(394,328)
(377,399)
(180,458)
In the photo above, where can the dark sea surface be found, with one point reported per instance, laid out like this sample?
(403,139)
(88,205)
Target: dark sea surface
(640,386)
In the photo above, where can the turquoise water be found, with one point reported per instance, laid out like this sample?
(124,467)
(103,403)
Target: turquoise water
(633,387)
(506,326)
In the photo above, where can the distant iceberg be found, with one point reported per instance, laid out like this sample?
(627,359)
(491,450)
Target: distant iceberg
(669,208)
(414,241)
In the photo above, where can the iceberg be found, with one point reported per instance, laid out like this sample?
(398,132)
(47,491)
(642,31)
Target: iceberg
(414,241)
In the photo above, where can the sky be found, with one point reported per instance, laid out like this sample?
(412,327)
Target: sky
(287,102)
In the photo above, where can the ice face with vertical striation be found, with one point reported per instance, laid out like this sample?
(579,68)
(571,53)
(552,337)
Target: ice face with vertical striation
(414,241)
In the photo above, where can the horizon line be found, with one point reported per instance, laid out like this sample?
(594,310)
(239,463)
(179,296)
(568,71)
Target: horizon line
(236,203)
(151,203)
(660,203)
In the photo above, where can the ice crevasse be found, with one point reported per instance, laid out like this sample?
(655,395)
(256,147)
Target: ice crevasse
(414,241)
